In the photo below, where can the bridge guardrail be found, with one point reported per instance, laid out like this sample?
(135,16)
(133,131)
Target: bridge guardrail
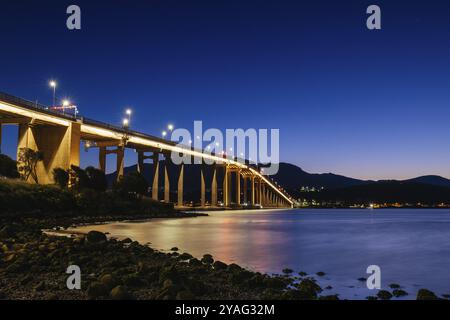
(32,105)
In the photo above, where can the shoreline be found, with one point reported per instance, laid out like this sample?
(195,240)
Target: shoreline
(33,264)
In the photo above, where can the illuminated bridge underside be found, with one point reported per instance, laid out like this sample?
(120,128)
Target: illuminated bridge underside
(59,136)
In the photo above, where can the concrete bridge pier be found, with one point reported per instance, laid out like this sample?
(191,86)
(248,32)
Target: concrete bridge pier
(226,186)
(180,189)
(202,188)
(245,188)
(155,183)
(166,178)
(60,147)
(238,187)
(214,188)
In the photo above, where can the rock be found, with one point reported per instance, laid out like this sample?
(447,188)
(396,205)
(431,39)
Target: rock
(384,295)
(394,286)
(10,257)
(96,290)
(51,296)
(328,287)
(6,232)
(320,273)
(174,249)
(399,293)
(330,297)
(185,256)
(302,274)
(95,237)
(275,283)
(208,259)
(234,267)
(108,280)
(133,280)
(195,262)
(40,286)
(185,295)
(119,293)
(287,271)
(424,294)
(309,289)
(127,240)
(219,265)
(362,279)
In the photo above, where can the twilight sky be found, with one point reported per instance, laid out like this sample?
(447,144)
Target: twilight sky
(366,104)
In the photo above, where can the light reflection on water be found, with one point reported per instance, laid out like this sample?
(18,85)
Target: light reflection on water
(412,247)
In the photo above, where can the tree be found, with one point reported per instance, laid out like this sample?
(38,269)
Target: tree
(8,167)
(97,179)
(79,180)
(132,184)
(27,160)
(61,177)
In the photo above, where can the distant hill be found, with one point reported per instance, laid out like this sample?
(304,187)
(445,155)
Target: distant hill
(386,192)
(433,180)
(292,178)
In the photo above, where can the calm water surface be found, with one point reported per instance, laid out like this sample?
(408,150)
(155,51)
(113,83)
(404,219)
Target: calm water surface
(412,247)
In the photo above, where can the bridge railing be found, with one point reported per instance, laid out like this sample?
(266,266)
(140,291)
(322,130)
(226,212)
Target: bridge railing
(32,105)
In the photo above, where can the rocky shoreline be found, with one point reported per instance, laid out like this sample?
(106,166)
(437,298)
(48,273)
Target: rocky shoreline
(33,266)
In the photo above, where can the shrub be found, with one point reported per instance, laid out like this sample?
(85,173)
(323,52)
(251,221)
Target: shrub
(97,179)
(8,167)
(133,184)
(79,180)
(61,177)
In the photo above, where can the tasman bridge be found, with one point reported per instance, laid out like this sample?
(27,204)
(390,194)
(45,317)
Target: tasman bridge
(59,136)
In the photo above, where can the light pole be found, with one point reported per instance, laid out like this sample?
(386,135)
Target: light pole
(53,84)
(128,113)
(65,104)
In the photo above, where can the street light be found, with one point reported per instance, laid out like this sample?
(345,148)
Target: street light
(164,133)
(66,103)
(53,85)
(128,118)
(125,123)
(170,127)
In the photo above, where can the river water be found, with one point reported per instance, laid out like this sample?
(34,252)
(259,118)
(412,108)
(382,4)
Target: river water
(411,246)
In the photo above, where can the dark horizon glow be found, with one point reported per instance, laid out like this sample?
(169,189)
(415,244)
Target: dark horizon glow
(365,104)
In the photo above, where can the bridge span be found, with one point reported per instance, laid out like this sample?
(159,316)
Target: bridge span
(59,136)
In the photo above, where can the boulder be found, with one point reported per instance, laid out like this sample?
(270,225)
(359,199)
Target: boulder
(96,237)
(384,295)
(208,259)
(424,294)
(119,293)
(219,265)
(97,290)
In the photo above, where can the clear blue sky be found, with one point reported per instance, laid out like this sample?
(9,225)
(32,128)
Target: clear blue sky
(366,104)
